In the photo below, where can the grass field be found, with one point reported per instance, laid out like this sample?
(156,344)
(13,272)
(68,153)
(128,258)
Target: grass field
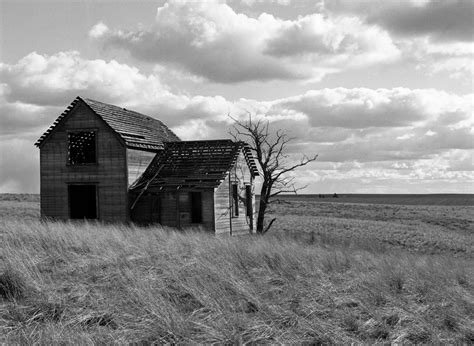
(424,228)
(327,272)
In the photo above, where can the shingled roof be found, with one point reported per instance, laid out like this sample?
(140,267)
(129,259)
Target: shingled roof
(137,130)
(194,164)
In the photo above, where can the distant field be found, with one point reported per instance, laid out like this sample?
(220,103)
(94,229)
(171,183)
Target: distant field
(430,224)
(402,199)
(435,228)
(23,206)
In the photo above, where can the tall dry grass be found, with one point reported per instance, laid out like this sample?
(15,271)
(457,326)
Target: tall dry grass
(92,283)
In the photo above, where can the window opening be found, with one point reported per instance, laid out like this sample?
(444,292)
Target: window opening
(196,207)
(81,148)
(249,204)
(235,199)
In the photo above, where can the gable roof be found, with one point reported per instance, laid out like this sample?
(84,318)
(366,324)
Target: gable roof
(137,130)
(194,164)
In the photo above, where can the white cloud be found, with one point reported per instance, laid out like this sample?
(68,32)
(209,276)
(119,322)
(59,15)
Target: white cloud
(456,59)
(354,130)
(279,2)
(57,78)
(430,133)
(38,83)
(210,39)
(98,30)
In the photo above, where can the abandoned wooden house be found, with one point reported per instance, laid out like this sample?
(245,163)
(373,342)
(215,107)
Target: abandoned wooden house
(99,161)
(198,182)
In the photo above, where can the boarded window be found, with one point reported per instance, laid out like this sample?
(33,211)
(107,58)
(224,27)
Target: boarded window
(196,207)
(81,148)
(235,199)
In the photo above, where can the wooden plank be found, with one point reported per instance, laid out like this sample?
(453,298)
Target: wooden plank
(109,173)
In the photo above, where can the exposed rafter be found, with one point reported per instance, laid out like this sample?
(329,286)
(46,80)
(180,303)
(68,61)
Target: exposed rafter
(194,164)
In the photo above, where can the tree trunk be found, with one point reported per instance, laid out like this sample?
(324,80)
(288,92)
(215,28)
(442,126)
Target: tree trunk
(261,216)
(261,209)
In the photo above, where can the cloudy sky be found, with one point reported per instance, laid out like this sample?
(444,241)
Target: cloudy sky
(381,90)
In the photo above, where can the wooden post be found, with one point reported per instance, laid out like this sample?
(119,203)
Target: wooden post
(231,207)
(178,221)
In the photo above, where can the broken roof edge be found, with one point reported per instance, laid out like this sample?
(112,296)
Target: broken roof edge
(244,146)
(56,122)
(124,139)
(151,173)
(64,114)
(131,139)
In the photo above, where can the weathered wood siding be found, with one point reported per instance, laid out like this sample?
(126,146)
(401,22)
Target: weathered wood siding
(109,174)
(225,220)
(222,204)
(147,209)
(240,174)
(137,162)
(183,209)
(169,209)
(173,208)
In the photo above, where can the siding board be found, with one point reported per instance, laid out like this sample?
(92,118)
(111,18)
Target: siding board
(110,172)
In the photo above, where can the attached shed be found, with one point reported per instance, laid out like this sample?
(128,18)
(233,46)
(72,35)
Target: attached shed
(198,183)
(89,157)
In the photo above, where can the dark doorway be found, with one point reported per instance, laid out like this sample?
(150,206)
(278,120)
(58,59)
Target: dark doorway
(83,201)
(248,202)
(196,207)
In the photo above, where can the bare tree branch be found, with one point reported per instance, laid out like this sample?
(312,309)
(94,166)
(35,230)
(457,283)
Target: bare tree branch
(269,148)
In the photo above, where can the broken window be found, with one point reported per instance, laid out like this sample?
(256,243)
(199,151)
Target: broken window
(81,148)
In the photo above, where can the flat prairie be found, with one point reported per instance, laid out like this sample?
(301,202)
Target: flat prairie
(328,272)
(442,224)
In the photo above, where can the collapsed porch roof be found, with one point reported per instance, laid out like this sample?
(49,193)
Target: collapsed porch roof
(198,164)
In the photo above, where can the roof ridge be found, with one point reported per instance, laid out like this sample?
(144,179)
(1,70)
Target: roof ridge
(151,133)
(204,141)
(121,108)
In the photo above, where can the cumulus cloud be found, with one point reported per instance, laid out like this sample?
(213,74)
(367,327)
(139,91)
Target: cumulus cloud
(354,130)
(98,30)
(279,2)
(37,87)
(368,125)
(55,79)
(453,58)
(436,35)
(210,39)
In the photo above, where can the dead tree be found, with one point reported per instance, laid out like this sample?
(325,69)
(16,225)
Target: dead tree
(269,149)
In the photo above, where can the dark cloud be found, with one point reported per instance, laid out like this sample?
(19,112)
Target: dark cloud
(442,20)
(226,60)
(358,108)
(211,40)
